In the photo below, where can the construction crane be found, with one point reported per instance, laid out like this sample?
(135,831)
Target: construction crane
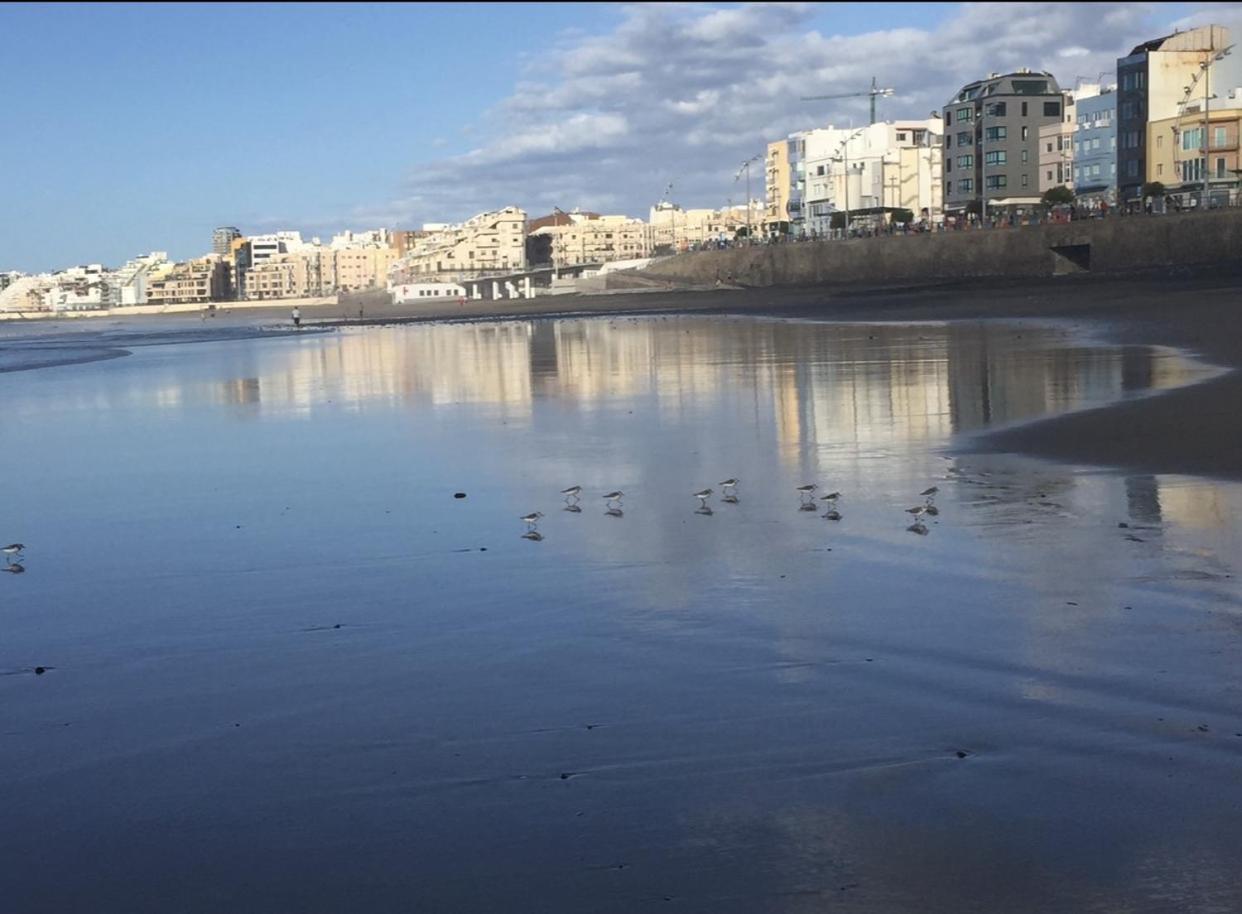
(875,92)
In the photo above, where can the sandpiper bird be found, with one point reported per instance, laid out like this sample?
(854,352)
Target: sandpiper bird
(932,491)
(917,510)
(533,518)
(806,490)
(614,496)
(831,496)
(730,483)
(704,495)
(572,492)
(13,548)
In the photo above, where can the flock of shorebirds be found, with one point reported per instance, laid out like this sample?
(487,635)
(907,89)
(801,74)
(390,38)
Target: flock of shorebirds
(728,493)
(13,565)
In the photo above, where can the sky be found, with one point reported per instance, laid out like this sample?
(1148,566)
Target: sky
(133,127)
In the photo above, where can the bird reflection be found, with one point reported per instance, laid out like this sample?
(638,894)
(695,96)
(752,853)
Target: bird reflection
(614,512)
(13,567)
(704,508)
(574,509)
(918,527)
(533,535)
(729,499)
(832,514)
(807,506)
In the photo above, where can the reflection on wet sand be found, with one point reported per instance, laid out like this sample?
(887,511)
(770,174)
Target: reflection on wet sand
(322,682)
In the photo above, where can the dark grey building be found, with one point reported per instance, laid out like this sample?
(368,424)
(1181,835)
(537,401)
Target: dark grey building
(991,141)
(222,238)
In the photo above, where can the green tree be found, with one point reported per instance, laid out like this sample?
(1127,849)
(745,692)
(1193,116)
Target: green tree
(837,220)
(1153,189)
(1058,196)
(902,216)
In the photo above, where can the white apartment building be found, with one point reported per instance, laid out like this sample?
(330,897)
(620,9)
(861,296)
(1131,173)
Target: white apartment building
(82,288)
(264,246)
(129,283)
(490,243)
(867,170)
(348,239)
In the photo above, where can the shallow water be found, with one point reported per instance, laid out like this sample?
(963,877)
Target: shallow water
(756,710)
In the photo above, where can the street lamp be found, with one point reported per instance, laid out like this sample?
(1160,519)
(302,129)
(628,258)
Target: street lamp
(746,168)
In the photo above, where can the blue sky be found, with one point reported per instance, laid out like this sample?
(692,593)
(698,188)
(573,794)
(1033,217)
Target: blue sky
(137,127)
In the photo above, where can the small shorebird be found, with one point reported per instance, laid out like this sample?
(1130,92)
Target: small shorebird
(13,548)
(932,491)
(917,510)
(533,518)
(704,495)
(831,496)
(808,488)
(730,483)
(572,492)
(614,496)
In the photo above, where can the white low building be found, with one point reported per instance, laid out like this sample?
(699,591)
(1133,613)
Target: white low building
(423,291)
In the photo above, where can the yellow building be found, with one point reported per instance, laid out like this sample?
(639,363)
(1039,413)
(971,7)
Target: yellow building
(674,228)
(1175,150)
(778,184)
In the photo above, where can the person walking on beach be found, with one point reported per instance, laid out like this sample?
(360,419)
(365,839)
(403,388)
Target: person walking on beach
(297,317)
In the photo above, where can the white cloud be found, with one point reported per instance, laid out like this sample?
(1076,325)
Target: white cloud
(685,92)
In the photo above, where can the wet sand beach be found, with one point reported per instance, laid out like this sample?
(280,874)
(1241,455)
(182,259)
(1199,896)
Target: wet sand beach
(261,658)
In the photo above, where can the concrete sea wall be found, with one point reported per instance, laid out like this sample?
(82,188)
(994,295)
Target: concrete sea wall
(1118,244)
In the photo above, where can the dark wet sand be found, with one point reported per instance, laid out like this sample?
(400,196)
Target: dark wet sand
(1195,430)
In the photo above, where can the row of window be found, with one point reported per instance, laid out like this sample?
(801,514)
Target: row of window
(990,135)
(991,182)
(995,157)
(1095,119)
(1092,171)
(1081,146)
(1133,81)
(998,109)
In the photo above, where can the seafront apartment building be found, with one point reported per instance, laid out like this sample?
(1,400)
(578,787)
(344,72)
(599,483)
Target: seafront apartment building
(491,243)
(991,140)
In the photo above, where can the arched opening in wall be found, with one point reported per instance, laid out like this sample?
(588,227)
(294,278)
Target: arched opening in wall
(1070,258)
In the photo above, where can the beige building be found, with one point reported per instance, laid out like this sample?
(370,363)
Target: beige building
(1056,155)
(599,239)
(194,281)
(362,267)
(492,243)
(673,228)
(316,271)
(780,182)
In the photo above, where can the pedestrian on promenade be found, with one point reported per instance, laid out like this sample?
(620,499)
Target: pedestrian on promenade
(297,317)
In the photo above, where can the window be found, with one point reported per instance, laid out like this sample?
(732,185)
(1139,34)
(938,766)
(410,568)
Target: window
(1220,164)
(995,109)
(965,139)
(967,161)
(1060,144)
(1131,169)
(1024,110)
(1049,174)
(1023,156)
(1192,138)
(996,157)
(963,115)
(1052,109)
(1077,147)
(1024,182)
(948,164)
(1159,142)
(1127,82)
(1218,137)
(1049,149)
(966,185)
(948,141)
(1127,110)
(948,188)
(994,181)
(902,138)
(948,118)
(1095,171)
(995,133)
(1140,79)
(1025,130)
(1095,144)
